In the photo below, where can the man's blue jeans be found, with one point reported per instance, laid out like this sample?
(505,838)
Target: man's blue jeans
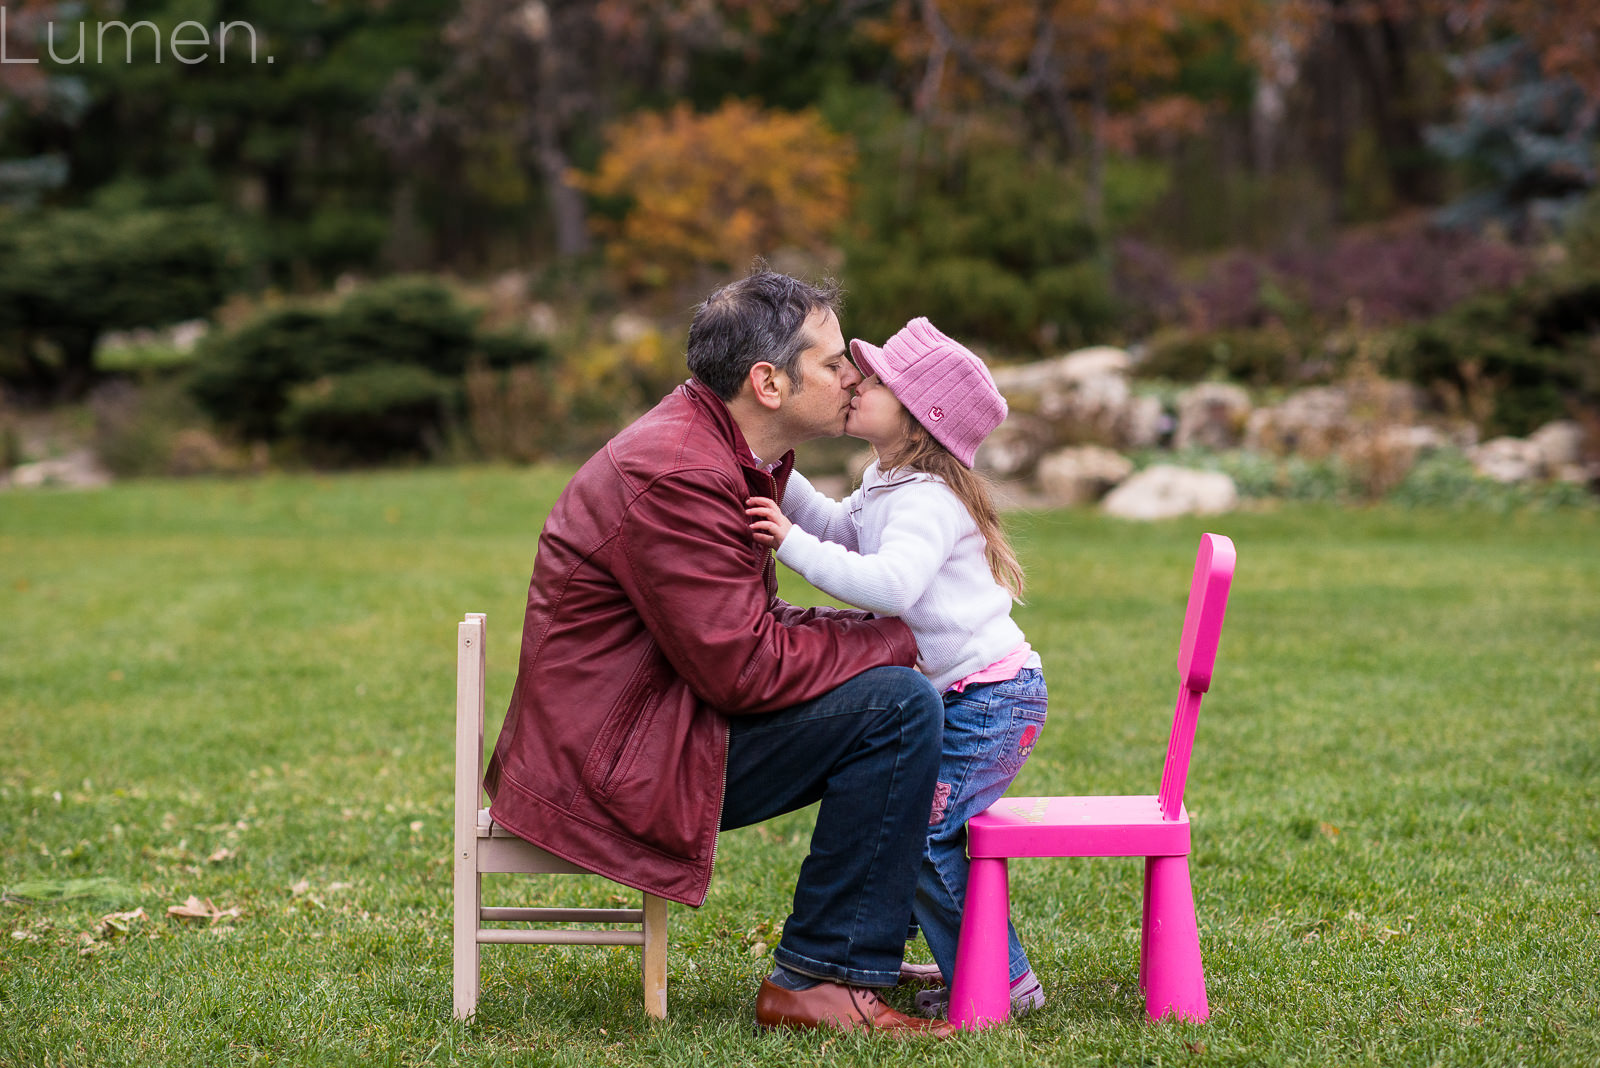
(988,732)
(869,751)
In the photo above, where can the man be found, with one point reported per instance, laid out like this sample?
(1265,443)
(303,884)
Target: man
(664,691)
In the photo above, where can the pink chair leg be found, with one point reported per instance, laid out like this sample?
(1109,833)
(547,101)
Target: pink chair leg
(1174,980)
(1144,930)
(980,992)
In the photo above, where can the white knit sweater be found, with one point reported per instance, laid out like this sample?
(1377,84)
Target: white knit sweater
(905,546)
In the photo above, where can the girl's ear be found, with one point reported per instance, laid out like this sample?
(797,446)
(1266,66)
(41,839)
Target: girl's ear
(765,384)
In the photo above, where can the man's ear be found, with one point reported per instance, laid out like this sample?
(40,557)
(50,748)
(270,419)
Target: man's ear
(764,382)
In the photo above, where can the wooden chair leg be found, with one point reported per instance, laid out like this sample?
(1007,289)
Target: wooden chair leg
(654,961)
(980,992)
(465,949)
(1175,982)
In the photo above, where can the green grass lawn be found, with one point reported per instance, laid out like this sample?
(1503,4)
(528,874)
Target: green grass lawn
(243,691)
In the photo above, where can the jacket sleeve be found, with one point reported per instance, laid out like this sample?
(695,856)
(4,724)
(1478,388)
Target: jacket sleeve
(687,562)
(918,536)
(818,514)
(792,615)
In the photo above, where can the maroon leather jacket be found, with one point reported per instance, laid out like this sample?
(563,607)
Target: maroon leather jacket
(652,616)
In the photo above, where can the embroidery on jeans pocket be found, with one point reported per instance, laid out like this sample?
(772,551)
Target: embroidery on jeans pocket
(1029,735)
(941,800)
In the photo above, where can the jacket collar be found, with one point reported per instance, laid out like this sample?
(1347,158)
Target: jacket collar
(717,411)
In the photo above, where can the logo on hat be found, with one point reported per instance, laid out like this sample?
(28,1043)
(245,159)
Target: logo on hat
(935,414)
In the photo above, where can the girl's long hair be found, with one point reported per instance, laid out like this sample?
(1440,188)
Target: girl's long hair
(920,451)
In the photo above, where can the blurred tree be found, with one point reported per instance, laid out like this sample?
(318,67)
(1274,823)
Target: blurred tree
(66,277)
(31,94)
(266,121)
(1077,69)
(716,190)
(993,242)
(1529,120)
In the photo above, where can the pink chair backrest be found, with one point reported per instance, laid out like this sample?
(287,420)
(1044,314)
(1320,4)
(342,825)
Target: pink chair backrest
(1197,654)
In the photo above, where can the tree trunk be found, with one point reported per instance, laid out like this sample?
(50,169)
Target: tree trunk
(567,214)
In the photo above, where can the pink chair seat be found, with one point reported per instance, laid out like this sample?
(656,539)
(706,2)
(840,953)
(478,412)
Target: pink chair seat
(1152,826)
(1112,826)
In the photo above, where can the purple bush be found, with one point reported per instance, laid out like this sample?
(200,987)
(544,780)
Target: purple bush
(1392,278)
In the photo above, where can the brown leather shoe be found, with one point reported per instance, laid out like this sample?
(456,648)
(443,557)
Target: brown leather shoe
(847,1008)
(926,974)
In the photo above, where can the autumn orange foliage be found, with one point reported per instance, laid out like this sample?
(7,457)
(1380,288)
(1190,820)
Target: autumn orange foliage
(719,189)
(1060,49)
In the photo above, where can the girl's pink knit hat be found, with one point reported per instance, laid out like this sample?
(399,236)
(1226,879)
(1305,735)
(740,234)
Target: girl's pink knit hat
(941,382)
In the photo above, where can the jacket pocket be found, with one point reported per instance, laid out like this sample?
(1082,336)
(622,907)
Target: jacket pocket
(632,743)
(622,735)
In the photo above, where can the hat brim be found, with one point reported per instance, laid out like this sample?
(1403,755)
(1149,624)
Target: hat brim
(866,355)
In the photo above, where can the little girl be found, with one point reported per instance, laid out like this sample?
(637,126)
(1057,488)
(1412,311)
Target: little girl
(921,539)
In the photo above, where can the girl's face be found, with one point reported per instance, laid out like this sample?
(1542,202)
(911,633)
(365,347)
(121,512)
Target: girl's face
(876,416)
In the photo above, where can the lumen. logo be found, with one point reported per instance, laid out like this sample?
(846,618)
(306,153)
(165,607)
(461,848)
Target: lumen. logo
(94,42)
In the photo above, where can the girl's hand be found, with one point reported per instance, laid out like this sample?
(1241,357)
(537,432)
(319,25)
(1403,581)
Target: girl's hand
(767,522)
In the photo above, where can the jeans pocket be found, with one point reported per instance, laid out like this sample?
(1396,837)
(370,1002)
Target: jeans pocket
(1020,708)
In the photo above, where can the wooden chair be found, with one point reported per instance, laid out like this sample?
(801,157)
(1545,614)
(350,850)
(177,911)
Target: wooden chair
(1153,826)
(483,847)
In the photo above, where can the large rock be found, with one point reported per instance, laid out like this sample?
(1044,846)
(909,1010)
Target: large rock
(1165,491)
(1143,424)
(1082,397)
(1063,370)
(1013,449)
(1560,444)
(1211,415)
(79,469)
(1081,474)
(1508,460)
(1311,423)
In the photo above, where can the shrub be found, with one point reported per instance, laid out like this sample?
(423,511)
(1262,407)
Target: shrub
(995,247)
(719,188)
(379,412)
(313,374)
(1256,357)
(155,430)
(66,277)
(513,414)
(1514,360)
(242,379)
(1446,479)
(1377,279)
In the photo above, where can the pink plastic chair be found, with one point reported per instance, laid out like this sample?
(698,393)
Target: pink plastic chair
(1155,827)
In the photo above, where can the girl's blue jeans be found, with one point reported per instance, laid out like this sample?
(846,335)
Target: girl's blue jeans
(989,730)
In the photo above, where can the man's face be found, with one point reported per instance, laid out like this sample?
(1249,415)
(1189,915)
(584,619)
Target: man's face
(818,405)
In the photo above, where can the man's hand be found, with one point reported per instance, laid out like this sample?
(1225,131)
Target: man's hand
(767,522)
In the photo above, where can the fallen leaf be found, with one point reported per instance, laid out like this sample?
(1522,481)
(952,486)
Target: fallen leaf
(195,909)
(117,923)
(223,853)
(300,887)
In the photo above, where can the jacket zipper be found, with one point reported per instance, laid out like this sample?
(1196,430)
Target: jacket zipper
(716,836)
(727,732)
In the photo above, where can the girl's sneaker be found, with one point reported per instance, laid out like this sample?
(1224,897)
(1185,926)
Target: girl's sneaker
(1026,995)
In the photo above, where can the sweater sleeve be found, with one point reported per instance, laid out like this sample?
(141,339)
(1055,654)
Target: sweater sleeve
(686,561)
(818,514)
(919,534)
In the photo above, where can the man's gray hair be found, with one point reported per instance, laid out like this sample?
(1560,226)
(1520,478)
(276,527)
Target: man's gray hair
(758,318)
